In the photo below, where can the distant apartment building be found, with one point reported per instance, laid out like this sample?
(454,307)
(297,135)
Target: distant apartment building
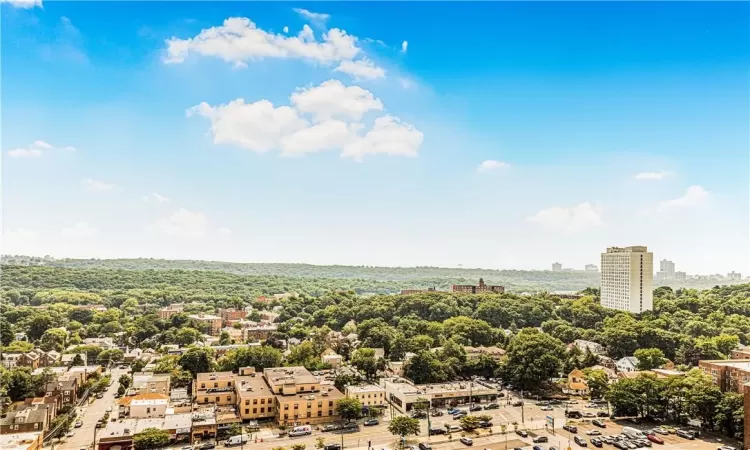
(734,276)
(368,394)
(169,311)
(211,322)
(256,331)
(667,267)
(627,279)
(682,276)
(741,353)
(255,400)
(25,419)
(493,352)
(231,315)
(591,268)
(403,394)
(478,289)
(730,375)
(150,383)
(556,267)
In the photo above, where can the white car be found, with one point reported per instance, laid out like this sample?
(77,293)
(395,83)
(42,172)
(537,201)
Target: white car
(546,408)
(71,433)
(592,405)
(109,409)
(594,433)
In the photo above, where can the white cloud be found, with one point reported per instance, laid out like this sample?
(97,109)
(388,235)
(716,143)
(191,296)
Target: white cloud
(492,164)
(316,18)
(362,69)
(694,196)
(334,100)
(37,150)
(155,197)
(575,218)
(23,4)
(239,41)
(97,185)
(183,224)
(25,153)
(404,46)
(654,176)
(79,230)
(224,231)
(388,136)
(285,29)
(20,235)
(324,117)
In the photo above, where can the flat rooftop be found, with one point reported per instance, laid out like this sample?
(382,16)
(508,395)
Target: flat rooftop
(326,393)
(737,363)
(289,375)
(214,376)
(365,388)
(18,441)
(252,386)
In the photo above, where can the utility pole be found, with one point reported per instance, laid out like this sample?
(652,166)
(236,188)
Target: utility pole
(523,419)
(471,385)
(429,411)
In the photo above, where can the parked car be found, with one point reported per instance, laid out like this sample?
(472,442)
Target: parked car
(661,430)
(594,433)
(536,447)
(330,428)
(207,446)
(485,424)
(517,403)
(599,423)
(522,433)
(424,446)
(436,413)
(540,439)
(78,424)
(591,405)
(588,415)
(466,441)
(621,445)
(492,406)
(419,415)
(570,428)
(726,447)
(371,422)
(602,414)
(643,442)
(332,447)
(546,408)
(459,415)
(685,434)
(100,395)
(475,408)
(580,441)
(70,433)
(187,447)
(572,402)
(454,429)
(608,439)
(596,442)
(434,431)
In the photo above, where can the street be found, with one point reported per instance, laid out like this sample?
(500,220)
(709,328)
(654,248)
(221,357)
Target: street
(89,414)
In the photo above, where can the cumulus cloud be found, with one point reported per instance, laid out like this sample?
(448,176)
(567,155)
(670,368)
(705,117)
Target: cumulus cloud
(653,176)
(332,99)
(79,230)
(694,196)
(491,164)
(183,224)
(285,29)
(239,41)
(97,185)
(37,149)
(155,197)
(316,18)
(362,69)
(24,4)
(404,46)
(574,218)
(324,117)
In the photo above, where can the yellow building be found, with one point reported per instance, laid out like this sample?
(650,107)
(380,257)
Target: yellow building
(300,399)
(254,398)
(215,387)
(368,394)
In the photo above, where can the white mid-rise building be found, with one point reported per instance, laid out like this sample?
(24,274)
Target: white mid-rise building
(627,279)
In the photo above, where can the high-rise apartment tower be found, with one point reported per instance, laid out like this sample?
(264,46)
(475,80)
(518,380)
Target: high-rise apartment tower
(627,279)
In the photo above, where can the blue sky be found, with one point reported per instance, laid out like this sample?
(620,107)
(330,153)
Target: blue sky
(496,135)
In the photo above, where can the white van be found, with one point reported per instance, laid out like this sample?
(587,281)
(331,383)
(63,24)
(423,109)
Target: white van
(301,431)
(236,440)
(633,433)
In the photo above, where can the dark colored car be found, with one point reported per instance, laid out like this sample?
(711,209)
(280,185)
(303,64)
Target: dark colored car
(685,434)
(517,403)
(599,423)
(436,413)
(522,433)
(580,441)
(602,414)
(424,446)
(207,446)
(330,428)
(459,415)
(434,431)
(475,408)
(540,439)
(485,424)
(596,442)
(571,428)
(332,447)
(466,441)
(492,406)
(371,422)
(419,415)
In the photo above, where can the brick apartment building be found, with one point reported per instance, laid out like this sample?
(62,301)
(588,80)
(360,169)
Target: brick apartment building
(730,375)
(741,353)
(417,291)
(478,289)
(231,315)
